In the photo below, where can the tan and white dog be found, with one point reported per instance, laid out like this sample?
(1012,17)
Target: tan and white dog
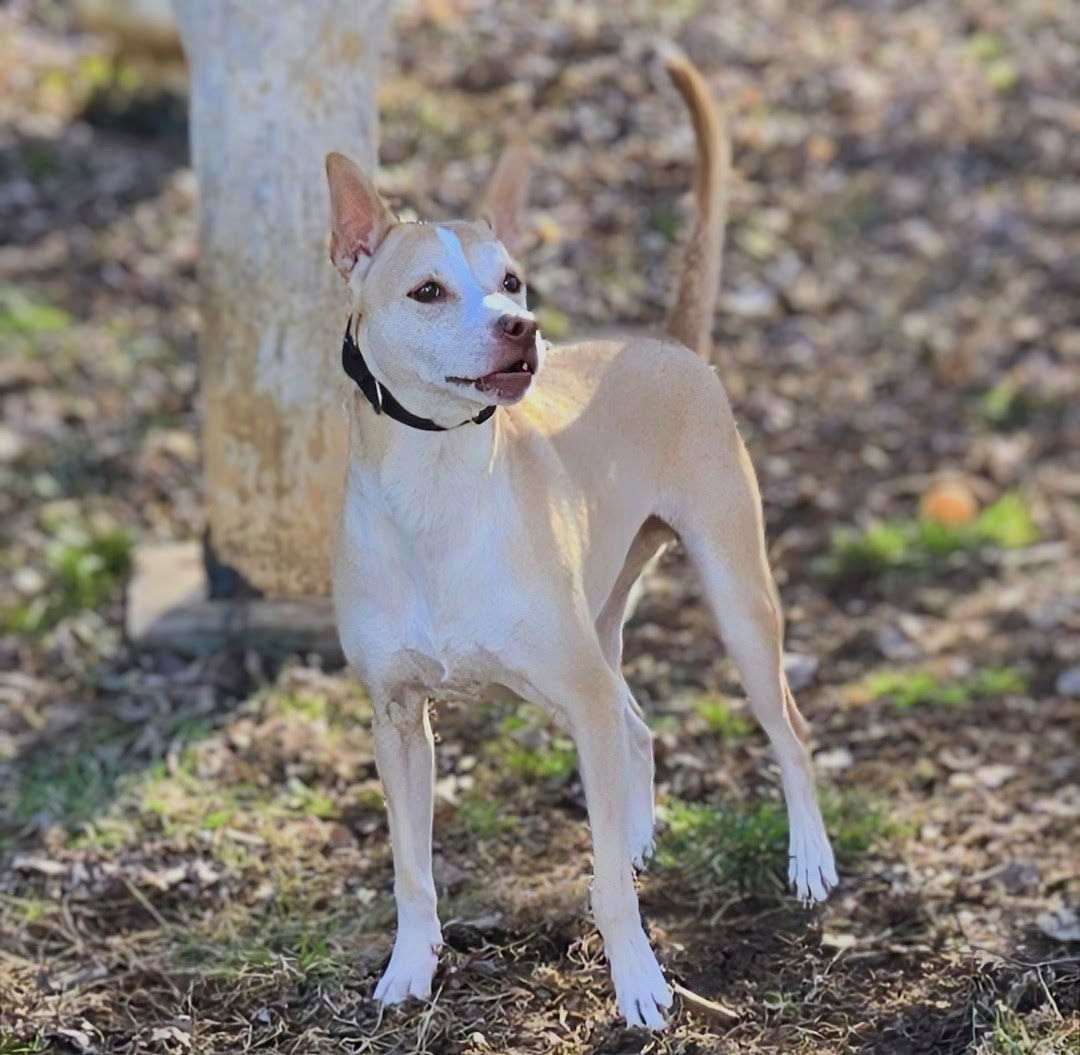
(495,553)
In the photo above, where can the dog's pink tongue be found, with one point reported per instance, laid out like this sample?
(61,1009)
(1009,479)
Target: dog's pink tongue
(511,385)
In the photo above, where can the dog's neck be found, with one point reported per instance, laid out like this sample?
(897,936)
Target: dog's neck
(380,446)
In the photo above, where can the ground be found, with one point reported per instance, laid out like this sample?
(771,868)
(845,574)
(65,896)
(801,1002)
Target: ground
(193,853)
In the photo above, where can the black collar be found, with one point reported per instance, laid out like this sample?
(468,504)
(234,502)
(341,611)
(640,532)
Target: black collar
(380,397)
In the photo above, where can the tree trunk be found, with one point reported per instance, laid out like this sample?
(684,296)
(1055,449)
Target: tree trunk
(274,86)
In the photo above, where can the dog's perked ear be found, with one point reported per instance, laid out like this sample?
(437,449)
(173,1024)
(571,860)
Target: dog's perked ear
(503,200)
(359,220)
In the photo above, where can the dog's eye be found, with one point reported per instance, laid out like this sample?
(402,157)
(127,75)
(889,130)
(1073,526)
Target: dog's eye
(512,284)
(428,292)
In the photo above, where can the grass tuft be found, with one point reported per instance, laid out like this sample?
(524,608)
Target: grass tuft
(68,788)
(294,930)
(666,221)
(879,547)
(484,817)
(1007,523)
(721,851)
(12,1045)
(85,566)
(25,317)
(716,714)
(1008,406)
(1037,1034)
(854,553)
(525,750)
(907,689)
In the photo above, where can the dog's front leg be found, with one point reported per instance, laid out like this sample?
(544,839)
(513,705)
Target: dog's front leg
(405,757)
(596,703)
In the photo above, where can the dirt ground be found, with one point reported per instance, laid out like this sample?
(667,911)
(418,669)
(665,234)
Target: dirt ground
(193,853)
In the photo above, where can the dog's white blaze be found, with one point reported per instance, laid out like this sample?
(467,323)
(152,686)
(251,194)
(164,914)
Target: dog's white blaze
(471,292)
(501,303)
(473,298)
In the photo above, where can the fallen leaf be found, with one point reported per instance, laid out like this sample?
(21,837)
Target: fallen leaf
(28,863)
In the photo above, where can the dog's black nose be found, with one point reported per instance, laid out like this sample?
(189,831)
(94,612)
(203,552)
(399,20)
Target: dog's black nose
(517,329)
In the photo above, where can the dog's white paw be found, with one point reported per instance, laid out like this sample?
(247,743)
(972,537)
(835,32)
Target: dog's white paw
(640,990)
(811,868)
(410,970)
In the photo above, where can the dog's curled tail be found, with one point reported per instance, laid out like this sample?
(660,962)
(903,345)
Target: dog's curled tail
(691,316)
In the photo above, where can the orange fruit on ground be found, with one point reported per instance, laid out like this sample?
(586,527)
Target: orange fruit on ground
(949,503)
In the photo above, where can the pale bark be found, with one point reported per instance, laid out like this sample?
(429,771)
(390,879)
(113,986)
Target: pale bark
(274,87)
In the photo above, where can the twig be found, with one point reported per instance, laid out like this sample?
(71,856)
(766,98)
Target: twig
(143,900)
(703,1004)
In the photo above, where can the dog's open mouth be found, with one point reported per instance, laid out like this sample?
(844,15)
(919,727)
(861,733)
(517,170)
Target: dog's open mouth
(509,383)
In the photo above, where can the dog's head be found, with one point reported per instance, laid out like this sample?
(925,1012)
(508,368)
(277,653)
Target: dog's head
(443,322)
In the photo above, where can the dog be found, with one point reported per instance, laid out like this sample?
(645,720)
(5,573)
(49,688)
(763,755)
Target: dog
(502,497)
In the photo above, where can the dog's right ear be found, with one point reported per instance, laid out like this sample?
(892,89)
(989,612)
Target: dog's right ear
(503,200)
(359,220)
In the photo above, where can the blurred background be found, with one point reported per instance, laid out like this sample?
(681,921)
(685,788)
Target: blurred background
(193,851)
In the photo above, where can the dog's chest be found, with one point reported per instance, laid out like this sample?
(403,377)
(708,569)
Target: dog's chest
(433,609)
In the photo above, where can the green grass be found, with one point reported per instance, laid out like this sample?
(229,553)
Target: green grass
(907,689)
(484,817)
(721,851)
(25,317)
(882,546)
(294,929)
(305,705)
(540,765)
(730,847)
(69,789)
(12,1045)
(27,910)
(994,60)
(1037,1034)
(84,567)
(986,47)
(309,801)
(1008,406)
(666,221)
(526,752)
(1006,523)
(92,790)
(856,825)
(715,713)
(334,713)
(101,72)
(108,801)
(29,327)
(1009,1035)
(878,547)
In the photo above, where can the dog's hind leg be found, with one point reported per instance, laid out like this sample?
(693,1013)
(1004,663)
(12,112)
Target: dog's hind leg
(405,757)
(651,536)
(727,545)
(644,549)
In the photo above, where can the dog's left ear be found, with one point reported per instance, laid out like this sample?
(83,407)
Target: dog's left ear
(503,200)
